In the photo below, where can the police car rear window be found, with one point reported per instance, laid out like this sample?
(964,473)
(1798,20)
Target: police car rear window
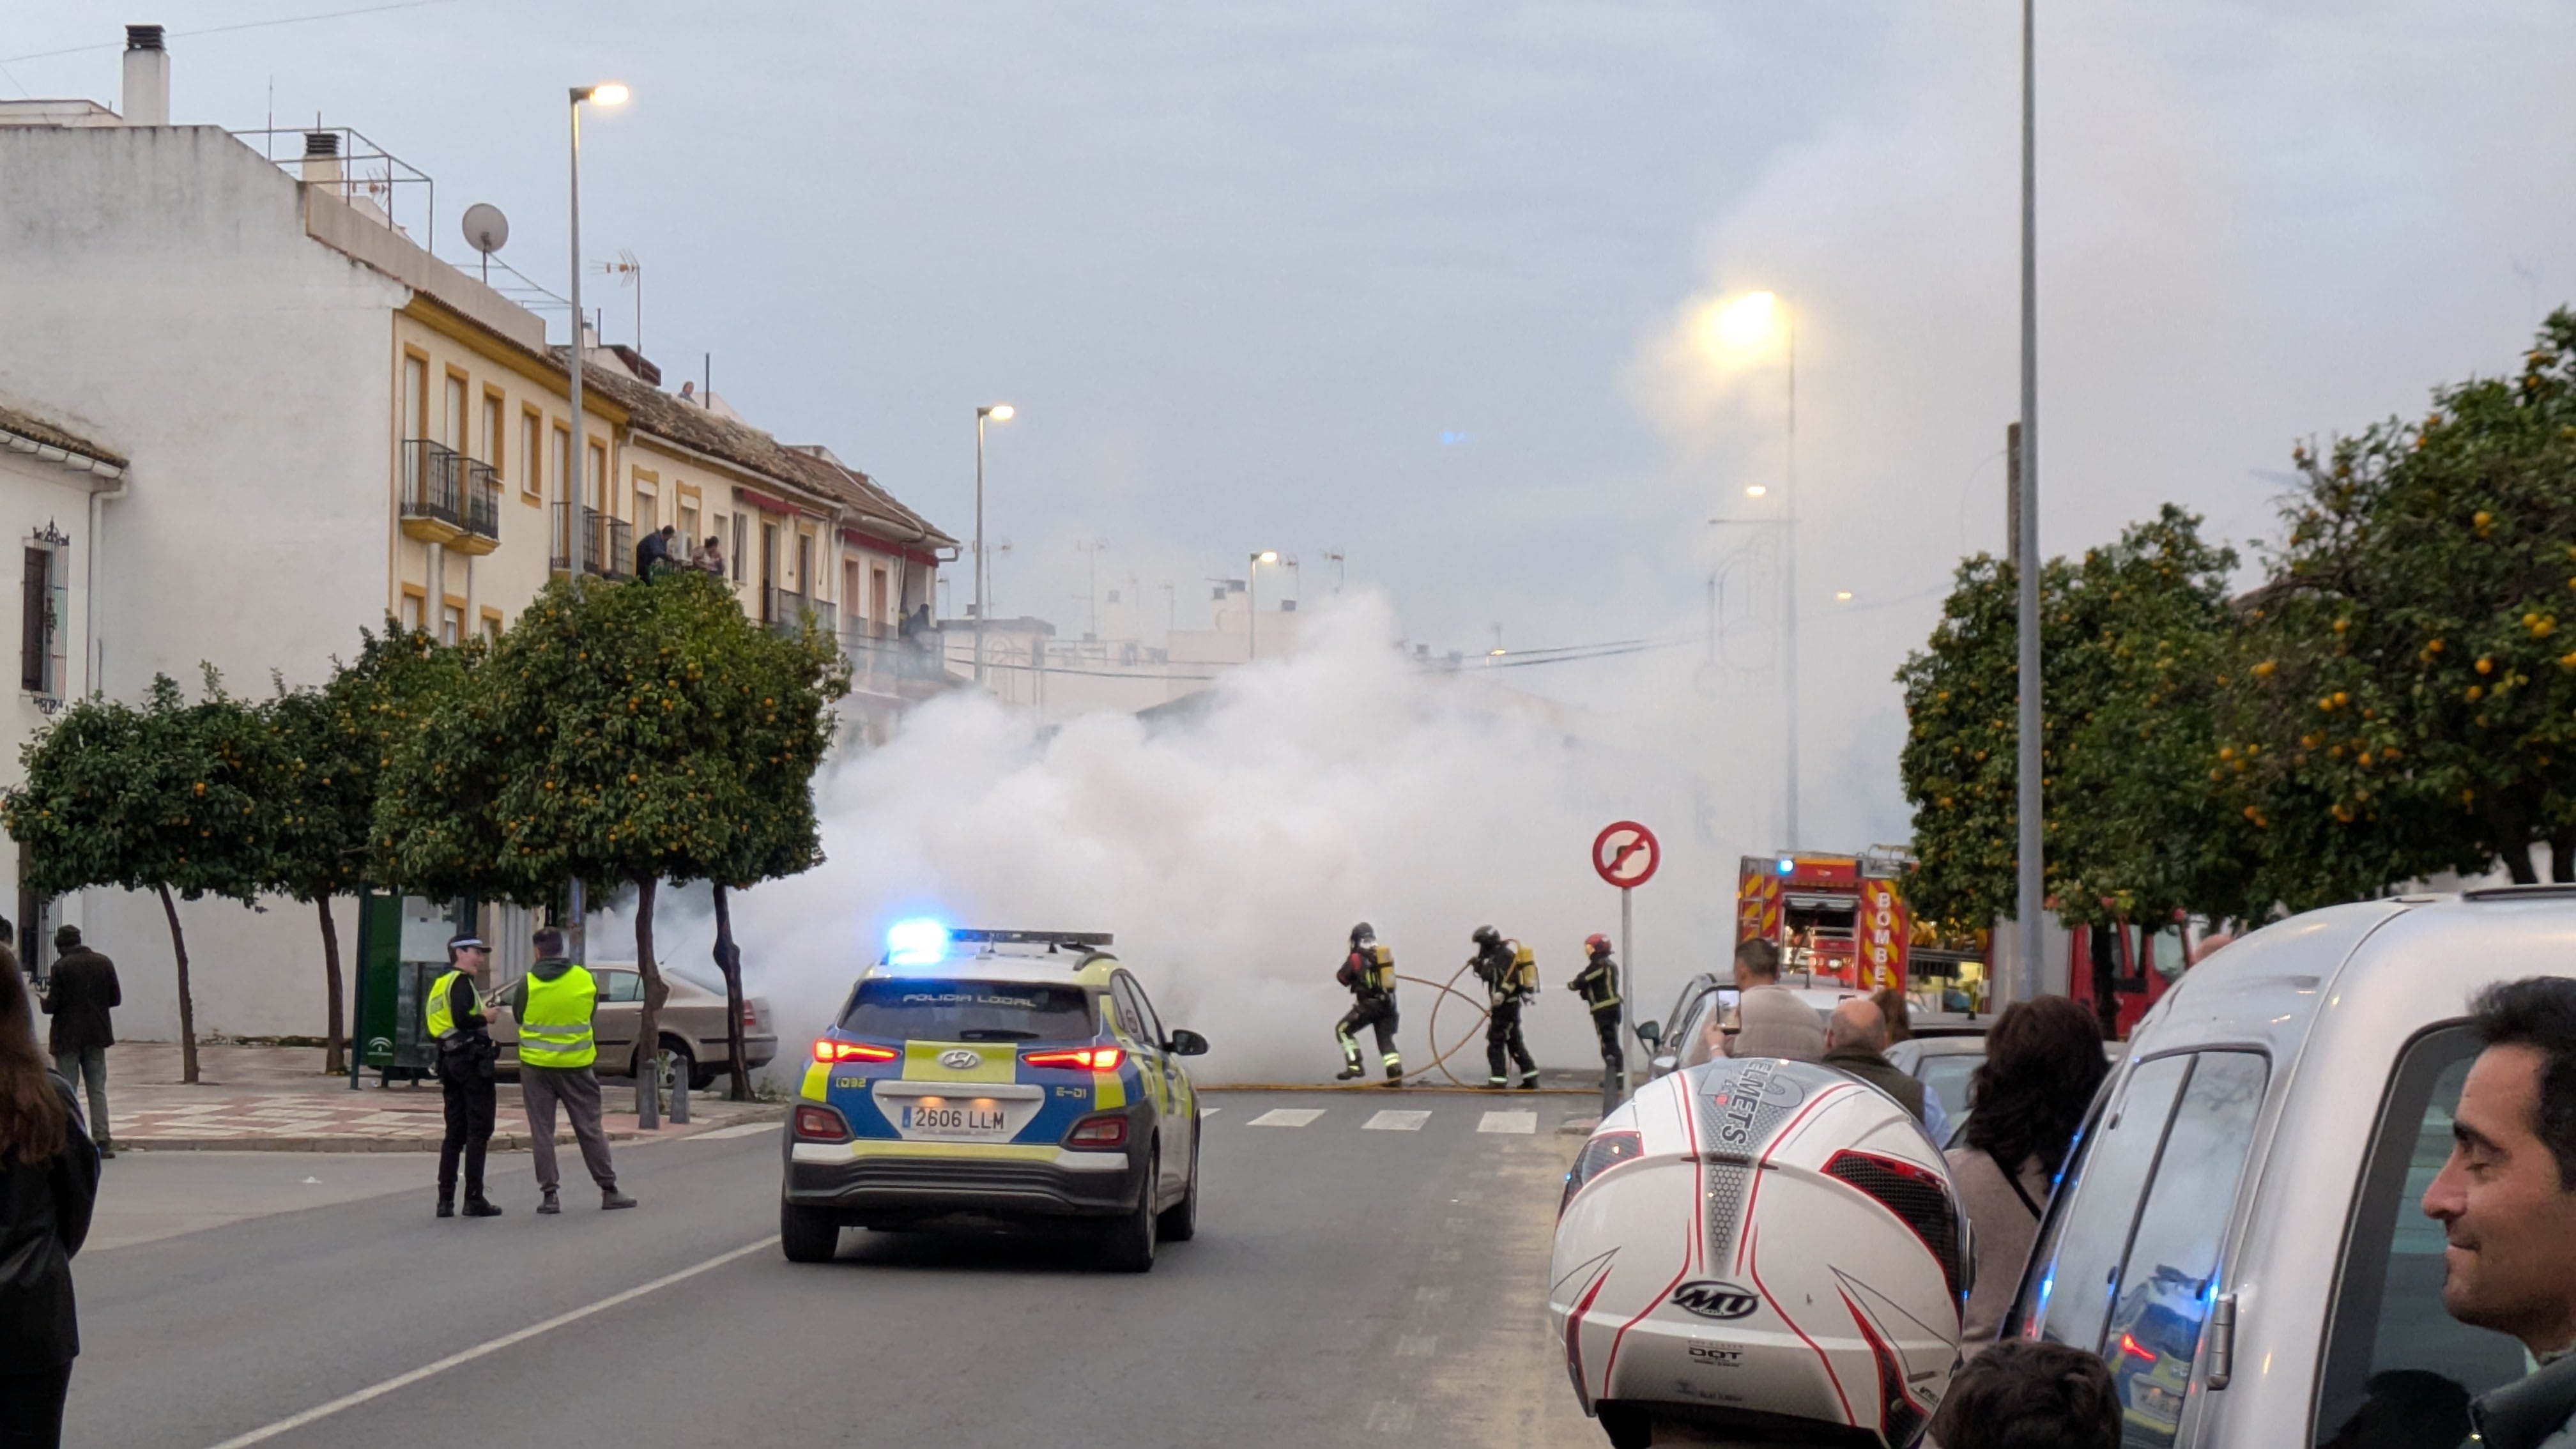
(969,1011)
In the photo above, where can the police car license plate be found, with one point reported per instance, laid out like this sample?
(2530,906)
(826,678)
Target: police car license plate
(967,1122)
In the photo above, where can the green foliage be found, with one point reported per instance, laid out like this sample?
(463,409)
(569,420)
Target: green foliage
(2404,703)
(2131,636)
(332,746)
(616,733)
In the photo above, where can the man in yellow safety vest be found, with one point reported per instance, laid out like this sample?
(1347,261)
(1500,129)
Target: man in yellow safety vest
(554,1004)
(455,1021)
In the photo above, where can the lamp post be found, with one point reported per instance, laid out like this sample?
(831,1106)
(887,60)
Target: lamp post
(576,453)
(2030,893)
(1252,601)
(1735,327)
(1000,413)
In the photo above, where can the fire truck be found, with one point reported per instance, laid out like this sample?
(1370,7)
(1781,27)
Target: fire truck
(1841,917)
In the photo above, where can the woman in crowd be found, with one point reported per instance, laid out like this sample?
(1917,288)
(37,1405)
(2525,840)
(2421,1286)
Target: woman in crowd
(2043,1064)
(48,1183)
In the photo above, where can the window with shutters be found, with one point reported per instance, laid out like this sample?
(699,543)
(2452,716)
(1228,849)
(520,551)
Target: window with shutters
(41,601)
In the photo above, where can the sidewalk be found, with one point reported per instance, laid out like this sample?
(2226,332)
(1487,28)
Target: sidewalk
(275,1099)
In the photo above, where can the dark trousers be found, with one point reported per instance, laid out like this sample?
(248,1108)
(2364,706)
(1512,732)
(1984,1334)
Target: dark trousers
(1503,1034)
(31,1407)
(1370,1011)
(1614,1056)
(470,1101)
(576,1090)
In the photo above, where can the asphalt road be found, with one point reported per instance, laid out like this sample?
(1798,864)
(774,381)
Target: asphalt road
(1347,1285)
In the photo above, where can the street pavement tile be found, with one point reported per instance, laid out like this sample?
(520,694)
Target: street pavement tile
(1392,1120)
(1286,1117)
(1524,1123)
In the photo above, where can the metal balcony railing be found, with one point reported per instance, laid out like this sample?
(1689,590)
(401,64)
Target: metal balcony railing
(607,544)
(482,499)
(788,610)
(432,488)
(882,662)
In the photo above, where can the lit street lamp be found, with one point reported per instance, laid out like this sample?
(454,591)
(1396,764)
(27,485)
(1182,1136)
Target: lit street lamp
(1733,328)
(1252,600)
(1000,413)
(577,452)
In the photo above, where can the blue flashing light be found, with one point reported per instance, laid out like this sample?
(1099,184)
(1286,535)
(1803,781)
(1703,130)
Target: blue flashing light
(1788,866)
(921,941)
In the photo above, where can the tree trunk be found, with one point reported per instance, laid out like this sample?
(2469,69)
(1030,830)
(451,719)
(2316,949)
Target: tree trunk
(2517,859)
(648,1033)
(333,1041)
(729,961)
(2562,857)
(187,1006)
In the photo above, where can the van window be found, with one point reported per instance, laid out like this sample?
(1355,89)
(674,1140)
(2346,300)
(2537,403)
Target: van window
(2397,1368)
(2071,1298)
(2171,1273)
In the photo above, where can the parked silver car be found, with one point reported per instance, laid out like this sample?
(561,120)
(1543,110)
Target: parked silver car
(2239,1231)
(692,1027)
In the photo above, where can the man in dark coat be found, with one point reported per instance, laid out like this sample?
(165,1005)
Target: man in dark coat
(81,991)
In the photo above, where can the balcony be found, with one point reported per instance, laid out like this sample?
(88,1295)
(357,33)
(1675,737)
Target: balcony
(884,663)
(607,544)
(787,612)
(433,492)
(481,495)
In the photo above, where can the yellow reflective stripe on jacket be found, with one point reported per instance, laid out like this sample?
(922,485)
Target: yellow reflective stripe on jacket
(555,1030)
(441,1017)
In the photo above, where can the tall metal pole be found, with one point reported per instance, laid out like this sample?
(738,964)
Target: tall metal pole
(2029,895)
(979,545)
(576,455)
(1790,606)
(1252,610)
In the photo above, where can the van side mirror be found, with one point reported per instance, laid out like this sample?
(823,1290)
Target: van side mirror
(1186,1043)
(1649,1033)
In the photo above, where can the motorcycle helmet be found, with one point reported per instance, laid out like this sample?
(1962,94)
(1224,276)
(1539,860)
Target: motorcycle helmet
(1486,936)
(1363,932)
(1764,1250)
(1596,944)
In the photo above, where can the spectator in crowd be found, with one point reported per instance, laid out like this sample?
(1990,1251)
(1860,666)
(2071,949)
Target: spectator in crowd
(80,992)
(2025,1101)
(48,1185)
(1896,1011)
(1856,1045)
(2506,1200)
(709,558)
(2025,1394)
(653,552)
(1772,1021)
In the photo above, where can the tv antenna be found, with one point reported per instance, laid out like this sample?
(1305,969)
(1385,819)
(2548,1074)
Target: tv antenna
(629,273)
(487,231)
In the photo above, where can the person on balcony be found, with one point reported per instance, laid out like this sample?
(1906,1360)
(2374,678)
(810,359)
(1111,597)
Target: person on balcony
(654,552)
(709,558)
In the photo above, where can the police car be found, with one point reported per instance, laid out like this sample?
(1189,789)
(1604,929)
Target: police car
(1009,1075)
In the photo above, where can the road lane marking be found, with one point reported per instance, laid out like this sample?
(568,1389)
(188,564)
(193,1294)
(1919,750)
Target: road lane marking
(748,1129)
(1390,1416)
(1417,1345)
(1286,1117)
(1392,1120)
(1524,1123)
(480,1350)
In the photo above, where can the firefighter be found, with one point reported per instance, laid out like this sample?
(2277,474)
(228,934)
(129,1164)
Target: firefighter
(1598,984)
(1511,979)
(1369,973)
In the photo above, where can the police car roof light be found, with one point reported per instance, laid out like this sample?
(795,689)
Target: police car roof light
(1093,939)
(917,942)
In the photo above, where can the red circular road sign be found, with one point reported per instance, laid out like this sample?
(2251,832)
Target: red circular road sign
(1626,854)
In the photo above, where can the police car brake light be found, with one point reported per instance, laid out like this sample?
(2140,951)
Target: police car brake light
(828,1050)
(820,1124)
(917,942)
(1098,1132)
(1089,1059)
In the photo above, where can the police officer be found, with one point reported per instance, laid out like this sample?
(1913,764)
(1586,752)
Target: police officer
(1369,974)
(1598,984)
(1509,982)
(466,1058)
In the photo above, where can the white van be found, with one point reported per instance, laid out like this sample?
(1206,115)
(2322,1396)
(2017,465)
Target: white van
(2238,1231)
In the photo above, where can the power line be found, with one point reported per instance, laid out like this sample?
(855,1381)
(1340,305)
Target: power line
(224,29)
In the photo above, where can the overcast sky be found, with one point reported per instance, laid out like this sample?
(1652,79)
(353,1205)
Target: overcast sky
(1407,279)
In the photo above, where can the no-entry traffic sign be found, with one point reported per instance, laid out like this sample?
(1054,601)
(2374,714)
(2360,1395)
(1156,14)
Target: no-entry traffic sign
(1626,854)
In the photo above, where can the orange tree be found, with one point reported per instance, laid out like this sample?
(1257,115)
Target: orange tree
(617,734)
(330,747)
(162,797)
(2403,703)
(2131,636)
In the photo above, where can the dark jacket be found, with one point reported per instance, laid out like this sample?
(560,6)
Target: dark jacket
(83,989)
(1597,983)
(44,1215)
(1879,1072)
(2534,1412)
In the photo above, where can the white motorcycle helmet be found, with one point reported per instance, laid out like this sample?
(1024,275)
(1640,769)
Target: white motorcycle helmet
(1766,1252)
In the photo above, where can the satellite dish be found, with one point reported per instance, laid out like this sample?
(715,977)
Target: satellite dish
(486,229)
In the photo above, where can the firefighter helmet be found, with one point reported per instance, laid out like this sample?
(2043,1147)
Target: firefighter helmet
(1486,936)
(1815,1289)
(1596,944)
(1363,932)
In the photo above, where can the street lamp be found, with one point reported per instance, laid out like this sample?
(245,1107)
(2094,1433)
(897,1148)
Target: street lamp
(1000,413)
(1252,602)
(1733,328)
(576,452)
(2029,893)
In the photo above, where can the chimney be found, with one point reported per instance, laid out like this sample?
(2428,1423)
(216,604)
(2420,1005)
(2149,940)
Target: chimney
(322,166)
(147,77)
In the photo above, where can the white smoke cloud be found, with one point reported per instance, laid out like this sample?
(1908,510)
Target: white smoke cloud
(1231,850)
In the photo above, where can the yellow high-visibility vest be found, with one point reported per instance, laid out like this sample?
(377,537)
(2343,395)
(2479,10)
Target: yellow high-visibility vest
(554,1031)
(441,1017)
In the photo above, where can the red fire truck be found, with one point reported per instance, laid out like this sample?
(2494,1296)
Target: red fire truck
(1836,916)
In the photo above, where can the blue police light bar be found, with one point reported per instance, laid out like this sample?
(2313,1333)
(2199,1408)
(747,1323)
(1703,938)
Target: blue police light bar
(1094,939)
(917,942)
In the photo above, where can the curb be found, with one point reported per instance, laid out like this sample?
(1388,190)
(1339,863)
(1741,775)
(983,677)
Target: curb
(1405,1091)
(501,1142)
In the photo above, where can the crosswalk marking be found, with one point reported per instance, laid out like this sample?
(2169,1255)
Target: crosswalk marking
(1286,1117)
(1392,1120)
(1525,1123)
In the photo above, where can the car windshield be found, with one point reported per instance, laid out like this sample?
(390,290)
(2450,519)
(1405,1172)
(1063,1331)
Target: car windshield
(942,1010)
(1946,1077)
